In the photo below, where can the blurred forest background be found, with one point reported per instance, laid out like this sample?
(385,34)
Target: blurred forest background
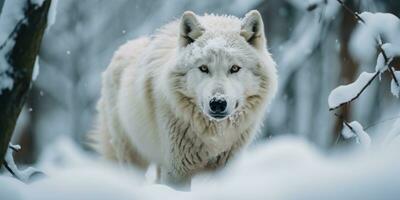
(315,52)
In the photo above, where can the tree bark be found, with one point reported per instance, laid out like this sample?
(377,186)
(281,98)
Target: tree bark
(28,37)
(349,67)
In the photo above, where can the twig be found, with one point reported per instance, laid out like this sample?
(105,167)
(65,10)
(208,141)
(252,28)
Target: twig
(379,41)
(359,93)
(10,170)
(13,148)
(337,139)
(345,122)
(394,76)
(6,164)
(348,9)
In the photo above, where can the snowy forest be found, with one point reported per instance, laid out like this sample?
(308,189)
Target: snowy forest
(331,132)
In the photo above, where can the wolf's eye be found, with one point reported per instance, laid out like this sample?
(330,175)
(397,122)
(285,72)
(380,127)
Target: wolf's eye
(234,69)
(204,69)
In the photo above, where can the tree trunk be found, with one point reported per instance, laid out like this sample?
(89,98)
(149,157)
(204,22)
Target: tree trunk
(349,67)
(22,56)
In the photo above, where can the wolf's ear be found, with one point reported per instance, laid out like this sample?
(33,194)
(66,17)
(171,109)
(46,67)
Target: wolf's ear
(190,28)
(253,29)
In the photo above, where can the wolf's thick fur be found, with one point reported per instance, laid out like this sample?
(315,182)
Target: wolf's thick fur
(150,110)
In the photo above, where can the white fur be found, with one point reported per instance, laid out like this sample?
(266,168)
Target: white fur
(154,105)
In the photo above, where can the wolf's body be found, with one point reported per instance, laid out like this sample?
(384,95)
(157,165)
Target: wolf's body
(148,113)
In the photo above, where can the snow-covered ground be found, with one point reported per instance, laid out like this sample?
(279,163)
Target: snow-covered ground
(283,168)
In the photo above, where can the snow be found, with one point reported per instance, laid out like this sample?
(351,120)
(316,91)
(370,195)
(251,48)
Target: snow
(6,82)
(391,50)
(357,132)
(363,41)
(36,69)
(52,15)
(11,13)
(285,168)
(393,135)
(15,146)
(11,188)
(380,22)
(394,88)
(346,93)
(381,66)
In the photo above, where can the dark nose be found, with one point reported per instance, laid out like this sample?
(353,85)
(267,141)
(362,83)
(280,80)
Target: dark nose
(218,106)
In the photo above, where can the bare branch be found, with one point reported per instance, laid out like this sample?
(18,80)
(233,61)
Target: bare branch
(345,123)
(10,170)
(394,76)
(348,9)
(13,148)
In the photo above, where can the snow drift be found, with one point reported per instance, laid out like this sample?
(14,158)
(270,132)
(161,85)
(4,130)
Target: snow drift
(285,168)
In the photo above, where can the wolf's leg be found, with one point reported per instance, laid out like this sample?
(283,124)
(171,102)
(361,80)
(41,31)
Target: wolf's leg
(176,180)
(158,174)
(126,153)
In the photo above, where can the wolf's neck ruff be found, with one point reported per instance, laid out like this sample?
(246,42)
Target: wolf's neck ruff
(195,152)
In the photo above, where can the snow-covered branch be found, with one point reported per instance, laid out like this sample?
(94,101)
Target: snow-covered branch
(355,130)
(345,94)
(394,88)
(25,175)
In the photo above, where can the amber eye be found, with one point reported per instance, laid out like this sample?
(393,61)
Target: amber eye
(234,69)
(204,69)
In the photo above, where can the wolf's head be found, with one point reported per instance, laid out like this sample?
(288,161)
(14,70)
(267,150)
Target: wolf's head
(223,66)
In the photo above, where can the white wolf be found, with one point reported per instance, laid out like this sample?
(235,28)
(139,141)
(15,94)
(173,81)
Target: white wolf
(187,98)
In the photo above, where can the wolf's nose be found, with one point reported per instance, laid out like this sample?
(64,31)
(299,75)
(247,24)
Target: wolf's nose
(218,106)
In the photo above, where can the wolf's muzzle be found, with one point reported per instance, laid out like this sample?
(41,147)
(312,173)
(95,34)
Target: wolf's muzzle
(218,107)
